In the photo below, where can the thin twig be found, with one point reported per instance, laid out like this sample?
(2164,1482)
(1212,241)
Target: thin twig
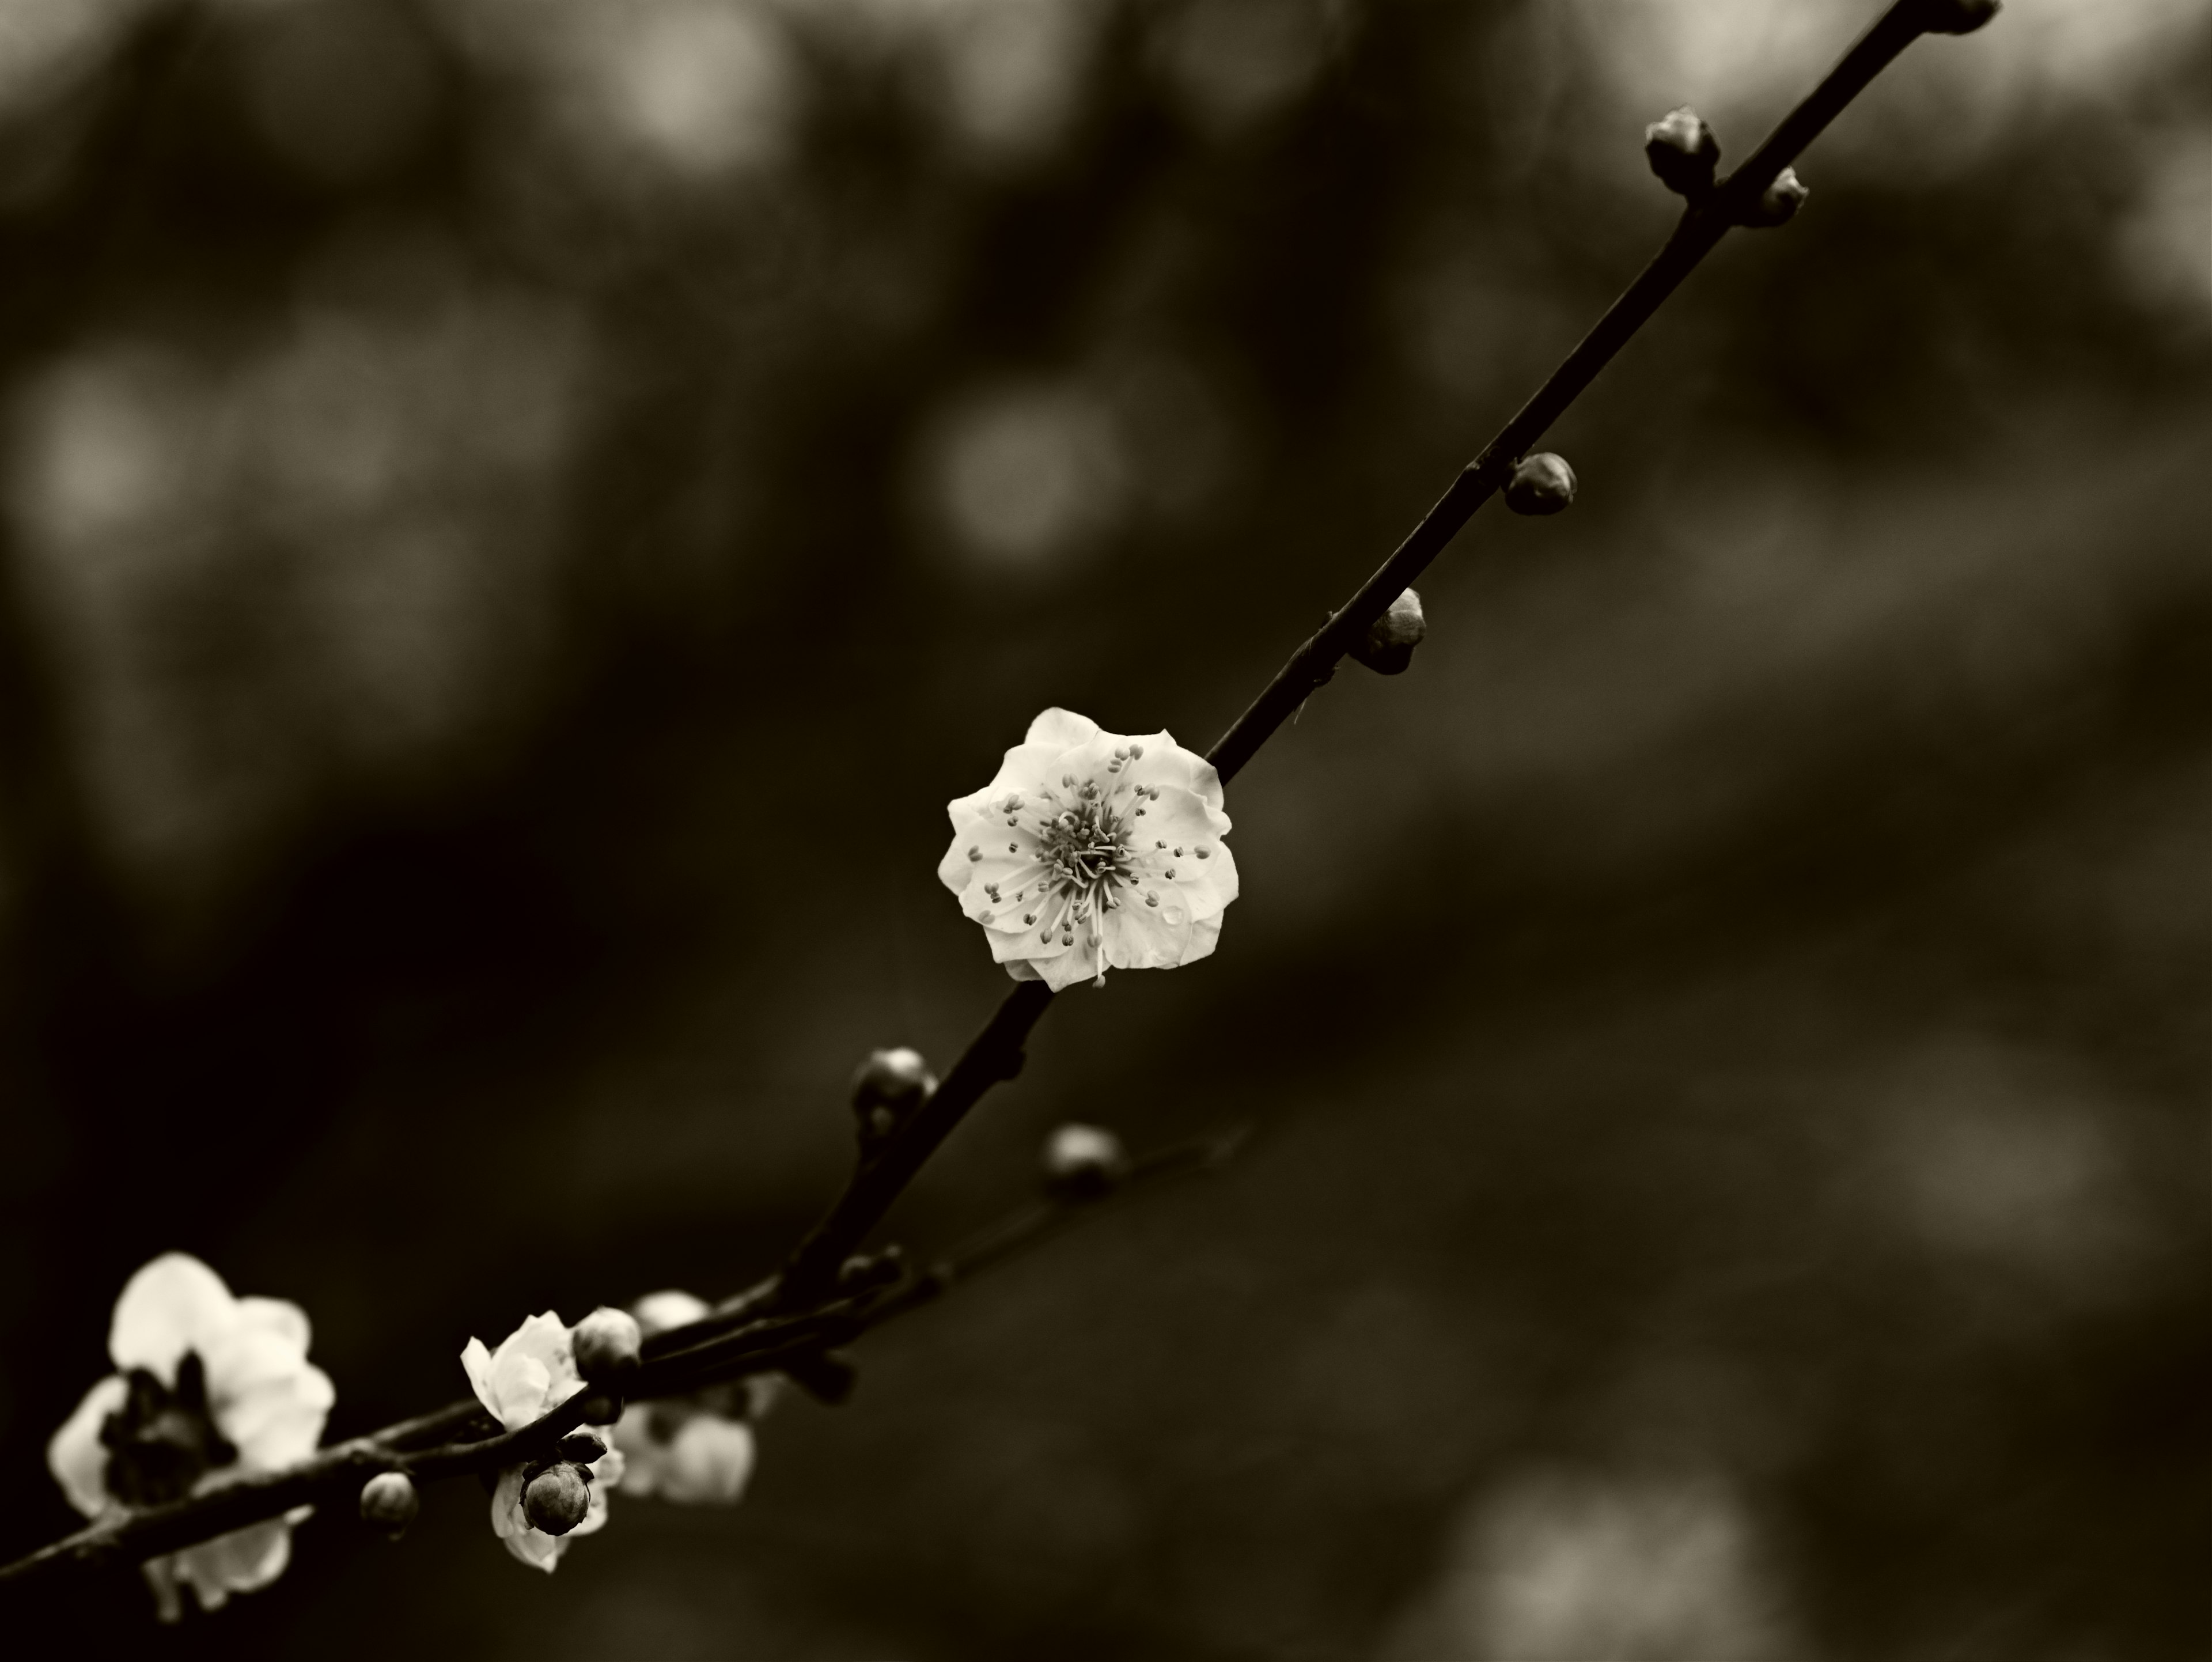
(996,1052)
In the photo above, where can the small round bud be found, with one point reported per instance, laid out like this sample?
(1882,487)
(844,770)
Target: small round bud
(390,1501)
(556,1499)
(1542,484)
(657,1312)
(606,1343)
(1778,204)
(889,1085)
(1388,647)
(864,1270)
(1956,16)
(1083,1160)
(1682,150)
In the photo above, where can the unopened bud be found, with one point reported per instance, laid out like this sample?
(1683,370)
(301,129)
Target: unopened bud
(582,1447)
(657,1312)
(1682,150)
(606,1344)
(1083,1160)
(1542,484)
(390,1501)
(556,1499)
(1388,647)
(1956,16)
(889,1085)
(1778,204)
(864,1270)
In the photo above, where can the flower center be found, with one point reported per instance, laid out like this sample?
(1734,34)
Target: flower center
(1087,845)
(162,1439)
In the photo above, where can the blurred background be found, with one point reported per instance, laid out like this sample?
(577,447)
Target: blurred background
(519,514)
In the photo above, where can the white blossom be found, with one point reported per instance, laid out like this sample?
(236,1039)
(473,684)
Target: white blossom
(1091,851)
(533,1369)
(696,1449)
(209,1389)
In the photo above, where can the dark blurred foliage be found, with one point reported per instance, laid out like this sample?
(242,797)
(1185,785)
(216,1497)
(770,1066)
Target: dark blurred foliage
(521,515)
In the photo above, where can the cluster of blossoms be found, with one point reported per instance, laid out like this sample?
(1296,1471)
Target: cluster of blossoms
(1088,850)
(536,1506)
(1092,850)
(209,1389)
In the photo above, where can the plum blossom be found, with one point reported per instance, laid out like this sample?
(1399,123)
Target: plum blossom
(208,1389)
(1091,850)
(696,1449)
(533,1369)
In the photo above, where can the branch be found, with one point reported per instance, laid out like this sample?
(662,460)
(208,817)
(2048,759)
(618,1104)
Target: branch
(800,1311)
(434,1445)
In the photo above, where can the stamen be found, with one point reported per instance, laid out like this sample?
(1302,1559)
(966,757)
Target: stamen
(975,853)
(1205,854)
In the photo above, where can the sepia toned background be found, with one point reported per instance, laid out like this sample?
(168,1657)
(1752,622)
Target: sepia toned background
(518,514)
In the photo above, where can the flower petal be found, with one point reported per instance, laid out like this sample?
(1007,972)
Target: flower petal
(1074,963)
(476,1362)
(76,1455)
(172,1305)
(537,1549)
(1141,937)
(1061,728)
(278,1421)
(241,1562)
(595,1514)
(278,1317)
(507,1518)
(1169,765)
(708,1462)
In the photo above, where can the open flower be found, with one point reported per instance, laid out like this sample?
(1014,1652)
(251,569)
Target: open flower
(695,1448)
(533,1369)
(1091,850)
(208,1389)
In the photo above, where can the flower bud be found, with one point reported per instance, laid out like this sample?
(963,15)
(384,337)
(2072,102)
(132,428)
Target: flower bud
(556,1499)
(657,1312)
(1778,204)
(605,1344)
(1542,484)
(1956,16)
(865,1270)
(1388,647)
(889,1085)
(1682,150)
(390,1501)
(1081,1161)
(583,1446)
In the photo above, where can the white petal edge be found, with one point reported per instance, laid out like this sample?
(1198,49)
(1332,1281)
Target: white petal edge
(75,1454)
(172,1305)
